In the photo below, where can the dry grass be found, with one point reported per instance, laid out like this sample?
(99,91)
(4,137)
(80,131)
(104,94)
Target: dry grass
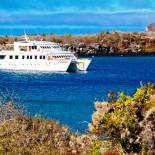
(20,134)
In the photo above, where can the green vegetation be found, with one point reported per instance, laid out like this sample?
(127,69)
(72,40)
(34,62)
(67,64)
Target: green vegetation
(127,121)
(124,124)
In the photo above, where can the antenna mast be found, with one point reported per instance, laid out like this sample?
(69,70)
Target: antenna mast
(27,37)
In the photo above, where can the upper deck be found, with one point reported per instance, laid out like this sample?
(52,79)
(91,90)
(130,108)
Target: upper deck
(37,47)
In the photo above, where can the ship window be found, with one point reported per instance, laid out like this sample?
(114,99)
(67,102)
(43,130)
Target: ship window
(40,57)
(34,47)
(23,57)
(2,56)
(16,56)
(43,57)
(31,57)
(11,57)
(35,56)
(27,57)
(55,46)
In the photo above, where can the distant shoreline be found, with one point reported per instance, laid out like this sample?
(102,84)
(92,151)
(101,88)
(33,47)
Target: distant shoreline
(103,44)
(67,29)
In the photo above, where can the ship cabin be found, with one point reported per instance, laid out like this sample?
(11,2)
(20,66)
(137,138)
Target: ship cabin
(36,50)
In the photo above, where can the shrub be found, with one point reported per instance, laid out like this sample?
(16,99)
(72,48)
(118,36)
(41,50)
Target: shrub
(21,134)
(124,124)
(124,120)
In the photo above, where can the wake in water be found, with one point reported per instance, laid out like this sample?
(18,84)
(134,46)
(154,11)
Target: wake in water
(31,72)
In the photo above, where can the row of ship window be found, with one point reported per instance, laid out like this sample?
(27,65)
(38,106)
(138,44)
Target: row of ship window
(31,57)
(45,46)
(27,57)
(49,46)
(35,47)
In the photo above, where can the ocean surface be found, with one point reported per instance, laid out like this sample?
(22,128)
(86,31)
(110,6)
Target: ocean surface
(69,97)
(75,30)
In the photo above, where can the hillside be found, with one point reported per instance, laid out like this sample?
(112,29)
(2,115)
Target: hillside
(114,43)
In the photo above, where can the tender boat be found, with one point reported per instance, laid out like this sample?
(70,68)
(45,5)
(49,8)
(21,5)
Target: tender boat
(41,56)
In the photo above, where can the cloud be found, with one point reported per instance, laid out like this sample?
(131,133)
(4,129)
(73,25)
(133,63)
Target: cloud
(71,6)
(81,19)
(75,13)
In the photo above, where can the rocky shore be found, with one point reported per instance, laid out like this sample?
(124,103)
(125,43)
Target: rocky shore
(103,44)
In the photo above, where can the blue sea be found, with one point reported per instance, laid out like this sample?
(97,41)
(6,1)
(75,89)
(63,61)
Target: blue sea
(76,30)
(69,97)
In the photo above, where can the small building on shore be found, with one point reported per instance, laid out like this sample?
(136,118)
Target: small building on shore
(150,28)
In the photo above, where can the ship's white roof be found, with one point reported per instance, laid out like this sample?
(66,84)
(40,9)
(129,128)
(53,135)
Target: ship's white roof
(58,50)
(31,43)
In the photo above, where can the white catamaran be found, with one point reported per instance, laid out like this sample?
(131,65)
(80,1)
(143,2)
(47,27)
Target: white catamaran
(41,56)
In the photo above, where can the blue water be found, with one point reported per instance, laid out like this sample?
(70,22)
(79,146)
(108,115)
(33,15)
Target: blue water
(69,97)
(68,30)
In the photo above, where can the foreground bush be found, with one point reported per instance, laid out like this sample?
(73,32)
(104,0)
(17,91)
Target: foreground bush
(123,125)
(37,136)
(128,123)
(20,134)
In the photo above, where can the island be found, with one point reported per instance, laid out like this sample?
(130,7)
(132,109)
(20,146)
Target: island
(113,43)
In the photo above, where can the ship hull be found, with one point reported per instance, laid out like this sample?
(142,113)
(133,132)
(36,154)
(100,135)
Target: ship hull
(49,66)
(79,65)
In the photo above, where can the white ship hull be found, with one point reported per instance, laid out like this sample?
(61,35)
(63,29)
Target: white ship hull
(40,56)
(49,66)
(79,65)
(82,64)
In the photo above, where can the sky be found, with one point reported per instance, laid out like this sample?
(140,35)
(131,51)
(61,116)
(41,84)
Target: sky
(76,13)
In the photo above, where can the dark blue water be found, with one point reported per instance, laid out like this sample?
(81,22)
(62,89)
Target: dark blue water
(69,97)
